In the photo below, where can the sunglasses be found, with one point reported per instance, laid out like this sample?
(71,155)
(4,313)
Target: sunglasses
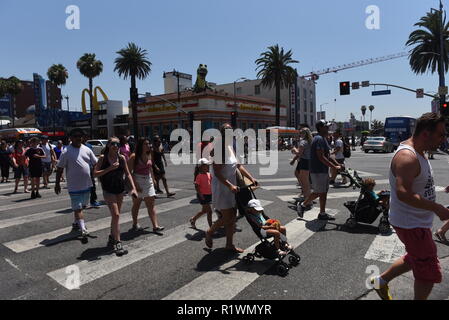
(115,144)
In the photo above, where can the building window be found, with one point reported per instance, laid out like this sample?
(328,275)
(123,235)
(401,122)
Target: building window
(311,120)
(305,105)
(311,106)
(256,90)
(238,90)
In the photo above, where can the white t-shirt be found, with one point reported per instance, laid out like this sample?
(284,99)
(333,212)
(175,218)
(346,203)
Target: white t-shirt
(47,150)
(77,162)
(339,144)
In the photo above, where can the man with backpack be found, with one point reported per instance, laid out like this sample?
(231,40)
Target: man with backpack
(340,152)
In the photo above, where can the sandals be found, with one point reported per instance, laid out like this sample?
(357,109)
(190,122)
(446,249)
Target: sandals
(441,238)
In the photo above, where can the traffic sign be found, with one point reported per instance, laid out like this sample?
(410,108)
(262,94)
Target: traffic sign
(381,93)
(355,85)
(365,84)
(419,93)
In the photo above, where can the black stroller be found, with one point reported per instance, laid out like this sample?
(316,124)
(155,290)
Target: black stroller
(266,249)
(366,210)
(354,179)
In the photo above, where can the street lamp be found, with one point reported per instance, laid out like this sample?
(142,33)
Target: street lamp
(321,110)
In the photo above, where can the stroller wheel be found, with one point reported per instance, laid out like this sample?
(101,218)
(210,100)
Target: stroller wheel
(351,223)
(294,261)
(282,269)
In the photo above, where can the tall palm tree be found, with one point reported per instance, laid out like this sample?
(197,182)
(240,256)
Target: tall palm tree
(275,70)
(371,108)
(13,88)
(363,109)
(90,67)
(132,62)
(3,84)
(425,56)
(57,74)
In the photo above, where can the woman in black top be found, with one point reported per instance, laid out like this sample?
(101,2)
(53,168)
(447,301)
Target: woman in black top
(158,166)
(35,156)
(5,161)
(112,168)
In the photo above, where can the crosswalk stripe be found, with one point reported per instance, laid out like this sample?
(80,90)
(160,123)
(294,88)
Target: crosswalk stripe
(386,249)
(63,234)
(360,173)
(138,250)
(294,187)
(228,280)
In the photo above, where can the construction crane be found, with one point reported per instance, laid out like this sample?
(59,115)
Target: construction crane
(316,75)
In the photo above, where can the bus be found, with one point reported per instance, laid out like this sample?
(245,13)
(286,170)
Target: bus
(14,134)
(398,129)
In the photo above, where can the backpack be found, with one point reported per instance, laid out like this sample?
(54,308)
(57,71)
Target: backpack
(346,150)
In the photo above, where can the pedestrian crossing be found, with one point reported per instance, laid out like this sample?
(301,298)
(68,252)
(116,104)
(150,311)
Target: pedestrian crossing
(223,282)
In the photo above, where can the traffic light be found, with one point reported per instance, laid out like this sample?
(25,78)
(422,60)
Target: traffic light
(191,118)
(234,119)
(345,88)
(444,109)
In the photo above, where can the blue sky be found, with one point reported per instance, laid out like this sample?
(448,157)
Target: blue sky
(228,36)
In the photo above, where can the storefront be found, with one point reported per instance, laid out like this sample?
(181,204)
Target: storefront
(159,115)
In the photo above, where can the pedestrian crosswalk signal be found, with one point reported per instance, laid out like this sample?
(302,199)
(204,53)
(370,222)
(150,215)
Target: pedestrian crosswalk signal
(345,88)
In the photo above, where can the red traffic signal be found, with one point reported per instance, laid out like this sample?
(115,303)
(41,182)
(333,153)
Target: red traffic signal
(345,88)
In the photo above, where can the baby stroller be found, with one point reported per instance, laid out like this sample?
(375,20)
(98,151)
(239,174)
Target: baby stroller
(354,180)
(266,249)
(366,210)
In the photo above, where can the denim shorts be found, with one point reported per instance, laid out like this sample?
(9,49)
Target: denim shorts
(79,200)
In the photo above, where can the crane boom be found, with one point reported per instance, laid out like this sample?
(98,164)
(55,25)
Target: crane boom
(315,75)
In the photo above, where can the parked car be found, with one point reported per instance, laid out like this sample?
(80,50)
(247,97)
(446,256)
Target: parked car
(97,145)
(378,144)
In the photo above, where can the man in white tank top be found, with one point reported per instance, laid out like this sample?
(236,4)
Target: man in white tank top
(412,209)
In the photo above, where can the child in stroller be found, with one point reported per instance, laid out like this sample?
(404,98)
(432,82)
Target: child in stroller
(369,206)
(275,250)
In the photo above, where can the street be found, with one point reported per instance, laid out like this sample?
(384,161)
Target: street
(39,255)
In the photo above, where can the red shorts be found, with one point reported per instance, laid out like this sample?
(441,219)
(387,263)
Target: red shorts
(421,254)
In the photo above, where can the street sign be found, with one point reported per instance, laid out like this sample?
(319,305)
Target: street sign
(365,84)
(381,93)
(355,85)
(419,93)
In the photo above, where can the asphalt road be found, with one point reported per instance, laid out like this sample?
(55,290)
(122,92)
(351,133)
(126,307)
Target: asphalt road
(40,261)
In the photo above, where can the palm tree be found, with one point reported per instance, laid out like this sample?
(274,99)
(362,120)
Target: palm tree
(57,74)
(132,62)
(363,109)
(90,68)
(275,71)
(371,108)
(13,88)
(426,55)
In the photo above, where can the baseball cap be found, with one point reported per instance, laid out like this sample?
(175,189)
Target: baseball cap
(322,123)
(255,203)
(204,161)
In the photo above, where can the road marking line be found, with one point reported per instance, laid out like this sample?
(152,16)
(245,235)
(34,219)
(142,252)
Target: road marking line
(294,187)
(386,249)
(12,264)
(56,236)
(138,250)
(228,280)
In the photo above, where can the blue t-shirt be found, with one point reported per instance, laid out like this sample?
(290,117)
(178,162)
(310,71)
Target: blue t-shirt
(316,166)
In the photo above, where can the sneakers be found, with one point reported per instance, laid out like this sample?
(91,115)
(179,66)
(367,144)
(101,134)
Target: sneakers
(300,209)
(95,204)
(119,250)
(136,228)
(171,194)
(75,227)
(325,216)
(111,241)
(382,291)
(159,191)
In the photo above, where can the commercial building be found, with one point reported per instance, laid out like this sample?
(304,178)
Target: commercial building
(300,98)
(159,115)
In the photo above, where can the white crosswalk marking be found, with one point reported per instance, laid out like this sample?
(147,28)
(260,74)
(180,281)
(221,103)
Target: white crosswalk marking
(293,187)
(386,249)
(59,235)
(225,282)
(138,250)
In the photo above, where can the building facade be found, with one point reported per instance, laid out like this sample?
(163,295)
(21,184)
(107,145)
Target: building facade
(300,99)
(159,114)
